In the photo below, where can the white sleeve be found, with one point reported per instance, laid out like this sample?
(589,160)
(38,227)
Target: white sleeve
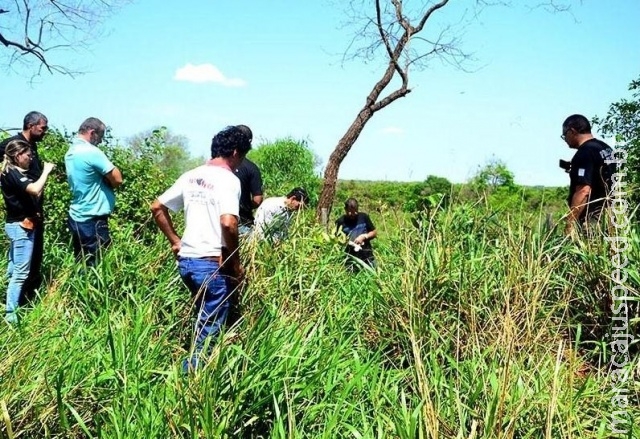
(173,198)
(260,219)
(229,198)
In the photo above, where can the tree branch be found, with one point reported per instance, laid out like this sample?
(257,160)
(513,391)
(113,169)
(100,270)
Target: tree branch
(34,31)
(429,13)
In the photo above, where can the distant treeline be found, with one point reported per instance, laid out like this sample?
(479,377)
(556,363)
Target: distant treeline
(151,161)
(415,196)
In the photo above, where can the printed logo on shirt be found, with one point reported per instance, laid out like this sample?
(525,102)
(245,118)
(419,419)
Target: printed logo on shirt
(201,182)
(580,172)
(606,154)
(24,179)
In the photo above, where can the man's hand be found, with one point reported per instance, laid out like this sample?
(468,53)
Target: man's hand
(360,239)
(237,275)
(113,178)
(48,167)
(175,248)
(162,218)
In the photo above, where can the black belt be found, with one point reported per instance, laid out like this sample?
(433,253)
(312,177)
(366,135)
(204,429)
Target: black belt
(217,259)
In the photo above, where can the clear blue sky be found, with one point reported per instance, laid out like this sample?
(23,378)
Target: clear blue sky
(276,66)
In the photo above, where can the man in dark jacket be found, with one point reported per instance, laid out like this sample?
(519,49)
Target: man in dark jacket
(251,188)
(590,173)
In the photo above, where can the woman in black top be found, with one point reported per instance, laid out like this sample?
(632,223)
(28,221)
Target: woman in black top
(20,195)
(360,230)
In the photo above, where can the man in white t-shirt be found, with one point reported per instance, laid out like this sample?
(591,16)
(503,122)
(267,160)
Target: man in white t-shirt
(207,253)
(274,214)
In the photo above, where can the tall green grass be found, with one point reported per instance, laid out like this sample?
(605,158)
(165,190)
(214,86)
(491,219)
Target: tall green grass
(474,325)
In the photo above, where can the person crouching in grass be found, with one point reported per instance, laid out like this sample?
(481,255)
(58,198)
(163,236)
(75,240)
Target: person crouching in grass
(357,226)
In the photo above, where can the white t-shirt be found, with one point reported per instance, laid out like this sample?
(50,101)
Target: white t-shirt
(272,218)
(205,193)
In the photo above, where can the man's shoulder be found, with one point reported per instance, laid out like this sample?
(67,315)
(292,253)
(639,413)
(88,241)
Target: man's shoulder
(220,171)
(78,145)
(192,171)
(272,203)
(217,172)
(84,152)
(247,167)
(582,153)
(266,203)
(362,216)
(251,166)
(197,172)
(596,144)
(591,149)
(18,136)
(6,141)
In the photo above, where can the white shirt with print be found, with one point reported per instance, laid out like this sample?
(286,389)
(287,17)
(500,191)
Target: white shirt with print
(205,193)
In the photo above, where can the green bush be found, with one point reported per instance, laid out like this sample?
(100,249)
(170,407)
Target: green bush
(144,179)
(623,122)
(285,164)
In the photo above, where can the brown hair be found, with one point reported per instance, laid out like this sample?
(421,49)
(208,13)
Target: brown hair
(11,151)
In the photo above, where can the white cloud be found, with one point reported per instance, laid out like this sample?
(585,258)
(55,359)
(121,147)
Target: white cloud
(395,131)
(206,73)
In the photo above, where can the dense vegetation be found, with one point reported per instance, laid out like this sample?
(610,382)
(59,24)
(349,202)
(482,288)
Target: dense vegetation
(623,122)
(285,164)
(481,321)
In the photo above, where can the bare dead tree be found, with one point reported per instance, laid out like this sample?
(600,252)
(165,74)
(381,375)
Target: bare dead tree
(35,32)
(398,29)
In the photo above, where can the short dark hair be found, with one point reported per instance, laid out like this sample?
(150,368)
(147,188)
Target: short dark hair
(228,140)
(92,123)
(246,130)
(351,203)
(33,118)
(300,194)
(577,122)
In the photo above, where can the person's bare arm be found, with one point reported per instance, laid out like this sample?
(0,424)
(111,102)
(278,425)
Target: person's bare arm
(578,205)
(113,178)
(162,218)
(37,186)
(230,253)
(579,201)
(257,201)
(366,237)
(372,232)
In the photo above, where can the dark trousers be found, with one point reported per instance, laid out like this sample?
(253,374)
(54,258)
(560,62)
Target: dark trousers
(34,279)
(89,238)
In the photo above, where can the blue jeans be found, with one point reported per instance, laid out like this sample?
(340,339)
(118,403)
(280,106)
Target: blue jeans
(19,257)
(211,291)
(89,238)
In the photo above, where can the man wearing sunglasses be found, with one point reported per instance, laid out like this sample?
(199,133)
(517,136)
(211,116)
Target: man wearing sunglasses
(590,173)
(34,128)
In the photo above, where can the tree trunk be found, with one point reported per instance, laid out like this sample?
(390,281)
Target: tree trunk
(372,105)
(328,192)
